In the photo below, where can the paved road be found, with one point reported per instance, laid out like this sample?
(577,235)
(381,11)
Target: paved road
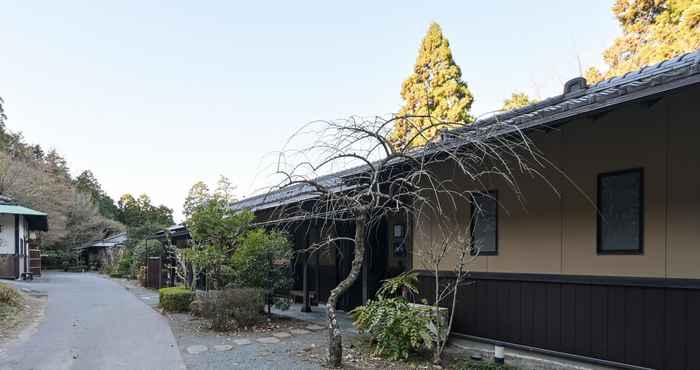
(93,323)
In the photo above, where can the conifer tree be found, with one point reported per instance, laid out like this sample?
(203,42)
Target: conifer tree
(652,31)
(434,90)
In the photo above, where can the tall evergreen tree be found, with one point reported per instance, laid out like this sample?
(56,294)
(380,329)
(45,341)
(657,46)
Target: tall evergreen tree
(652,31)
(434,90)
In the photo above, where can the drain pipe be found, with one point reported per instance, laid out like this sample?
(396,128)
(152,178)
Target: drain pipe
(498,356)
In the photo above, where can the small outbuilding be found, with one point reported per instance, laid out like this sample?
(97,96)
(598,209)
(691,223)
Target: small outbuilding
(17,227)
(103,252)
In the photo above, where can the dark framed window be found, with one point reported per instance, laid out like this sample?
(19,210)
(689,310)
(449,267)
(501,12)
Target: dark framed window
(484,228)
(621,212)
(399,240)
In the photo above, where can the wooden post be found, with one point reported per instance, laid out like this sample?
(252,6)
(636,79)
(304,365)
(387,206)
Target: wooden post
(306,307)
(365,293)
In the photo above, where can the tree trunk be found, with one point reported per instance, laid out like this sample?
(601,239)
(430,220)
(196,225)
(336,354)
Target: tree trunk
(335,340)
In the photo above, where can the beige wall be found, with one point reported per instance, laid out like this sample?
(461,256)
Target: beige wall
(547,231)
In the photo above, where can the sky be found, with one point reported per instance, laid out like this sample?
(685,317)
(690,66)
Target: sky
(153,96)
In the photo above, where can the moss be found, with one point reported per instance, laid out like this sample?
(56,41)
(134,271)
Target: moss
(176,299)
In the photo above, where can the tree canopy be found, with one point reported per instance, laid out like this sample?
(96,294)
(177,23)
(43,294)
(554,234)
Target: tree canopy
(517,100)
(87,183)
(652,31)
(433,94)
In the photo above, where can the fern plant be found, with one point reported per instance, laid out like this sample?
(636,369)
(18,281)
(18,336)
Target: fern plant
(397,327)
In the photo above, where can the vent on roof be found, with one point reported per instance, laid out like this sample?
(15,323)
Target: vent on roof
(575,85)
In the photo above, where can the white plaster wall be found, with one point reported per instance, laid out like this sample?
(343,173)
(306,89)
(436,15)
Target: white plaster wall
(7,234)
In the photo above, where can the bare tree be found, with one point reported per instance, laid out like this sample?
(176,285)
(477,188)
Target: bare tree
(378,180)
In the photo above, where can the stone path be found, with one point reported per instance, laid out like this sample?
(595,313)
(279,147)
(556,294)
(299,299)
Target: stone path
(274,339)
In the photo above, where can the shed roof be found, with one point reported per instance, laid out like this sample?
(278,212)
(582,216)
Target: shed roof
(577,99)
(37,220)
(112,241)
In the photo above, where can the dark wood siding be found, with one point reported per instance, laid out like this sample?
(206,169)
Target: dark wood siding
(637,321)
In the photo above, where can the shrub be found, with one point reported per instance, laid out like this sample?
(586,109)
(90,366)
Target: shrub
(141,275)
(398,327)
(125,262)
(9,296)
(261,261)
(116,275)
(230,308)
(176,299)
(142,251)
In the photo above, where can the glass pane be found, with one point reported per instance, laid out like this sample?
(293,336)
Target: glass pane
(485,223)
(620,212)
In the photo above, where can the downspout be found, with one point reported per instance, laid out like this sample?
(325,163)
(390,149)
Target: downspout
(17,245)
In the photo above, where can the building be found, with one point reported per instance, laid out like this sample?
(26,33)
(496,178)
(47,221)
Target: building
(605,268)
(17,227)
(103,252)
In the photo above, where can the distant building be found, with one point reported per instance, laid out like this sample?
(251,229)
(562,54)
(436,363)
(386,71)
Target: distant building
(105,251)
(16,226)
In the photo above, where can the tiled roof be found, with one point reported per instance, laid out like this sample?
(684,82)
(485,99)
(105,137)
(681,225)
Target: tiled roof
(114,240)
(578,98)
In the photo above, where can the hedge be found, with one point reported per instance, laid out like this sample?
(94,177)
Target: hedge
(176,299)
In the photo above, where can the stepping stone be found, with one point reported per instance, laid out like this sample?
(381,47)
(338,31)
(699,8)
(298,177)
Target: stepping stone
(281,335)
(299,331)
(268,340)
(314,327)
(242,342)
(222,347)
(196,349)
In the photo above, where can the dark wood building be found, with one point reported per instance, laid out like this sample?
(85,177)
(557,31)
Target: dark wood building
(605,268)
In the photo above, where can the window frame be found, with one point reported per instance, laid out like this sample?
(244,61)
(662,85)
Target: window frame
(599,218)
(494,196)
(402,239)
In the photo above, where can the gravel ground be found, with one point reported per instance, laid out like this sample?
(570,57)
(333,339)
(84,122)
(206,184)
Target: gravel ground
(295,352)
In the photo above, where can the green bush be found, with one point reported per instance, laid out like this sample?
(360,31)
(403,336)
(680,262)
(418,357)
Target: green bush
(116,275)
(176,299)
(397,327)
(142,251)
(231,308)
(262,261)
(125,262)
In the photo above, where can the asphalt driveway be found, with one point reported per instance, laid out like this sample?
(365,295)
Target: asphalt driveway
(92,323)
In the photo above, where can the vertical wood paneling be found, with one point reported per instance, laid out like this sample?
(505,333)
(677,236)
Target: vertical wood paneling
(693,328)
(482,309)
(515,304)
(634,324)
(526,316)
(675,329)
(553,315)
(654,327)
(540,316)
(654,323)
(616,324)
(503,318)
(583,319)
(599,321)
(568,318)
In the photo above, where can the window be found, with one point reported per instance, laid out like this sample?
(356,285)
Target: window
(399,242)
(620,212)
(485,224)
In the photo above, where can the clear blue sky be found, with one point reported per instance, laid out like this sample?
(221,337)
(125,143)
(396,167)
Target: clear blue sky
(153,96)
